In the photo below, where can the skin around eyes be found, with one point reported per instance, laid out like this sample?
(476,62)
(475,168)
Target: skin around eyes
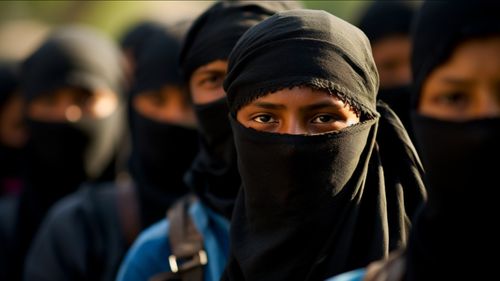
(206,82)
(467,86)
(168,105)
(392,58)
(297,111)
(70,104)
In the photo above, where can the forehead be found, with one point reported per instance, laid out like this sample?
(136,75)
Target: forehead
(474,58)
(215,66)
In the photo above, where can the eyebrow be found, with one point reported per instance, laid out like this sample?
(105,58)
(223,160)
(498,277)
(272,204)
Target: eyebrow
(456,81)
(315,106)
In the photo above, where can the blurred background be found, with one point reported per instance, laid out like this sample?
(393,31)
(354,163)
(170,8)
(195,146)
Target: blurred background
(24,23)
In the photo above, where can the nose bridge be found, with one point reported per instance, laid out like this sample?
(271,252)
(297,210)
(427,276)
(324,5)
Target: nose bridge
(489,103)
(69,108)
(293,125)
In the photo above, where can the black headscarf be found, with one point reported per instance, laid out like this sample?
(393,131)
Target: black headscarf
(213,175)
(136,36)
(60,156)
(455,234)
(161,151)
(10,165)
(313,206)
(386,18)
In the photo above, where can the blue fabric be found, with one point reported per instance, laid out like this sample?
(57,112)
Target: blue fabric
(355,275)
(149,253)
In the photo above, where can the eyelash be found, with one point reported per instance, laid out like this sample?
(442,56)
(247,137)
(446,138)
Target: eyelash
(332,118)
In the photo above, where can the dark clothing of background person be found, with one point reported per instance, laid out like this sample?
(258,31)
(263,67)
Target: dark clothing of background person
(315,205)
(385,19)
(60,156)
(455,235)
(87,234)
(10,164)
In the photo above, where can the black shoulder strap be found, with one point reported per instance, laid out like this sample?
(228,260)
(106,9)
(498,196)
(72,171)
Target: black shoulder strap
(188,256)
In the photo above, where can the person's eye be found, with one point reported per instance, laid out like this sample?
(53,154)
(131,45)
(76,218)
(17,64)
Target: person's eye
(212,81)
(264,119)
(324,118)
(452,99)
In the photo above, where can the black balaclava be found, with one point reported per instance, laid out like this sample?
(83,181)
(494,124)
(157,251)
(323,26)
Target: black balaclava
(161,151)
(62,155)
(454,236)
(10,163)
(214,175)
(385,18)
(313,206)
(380,20)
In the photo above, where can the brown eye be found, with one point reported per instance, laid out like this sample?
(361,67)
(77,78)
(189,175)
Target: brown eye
(264,118)
(212,81)
(452,99)
(324,118)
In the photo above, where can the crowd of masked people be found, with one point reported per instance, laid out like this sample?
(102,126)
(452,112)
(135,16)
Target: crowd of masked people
(258,141)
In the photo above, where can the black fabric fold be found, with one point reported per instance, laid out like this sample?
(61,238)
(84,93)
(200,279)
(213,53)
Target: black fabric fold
(213,175)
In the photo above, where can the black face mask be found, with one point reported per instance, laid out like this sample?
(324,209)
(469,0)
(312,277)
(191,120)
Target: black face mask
(161,154)
(214,174)
(296,188)
(399,99)
(10,169)
(456,227)
(55,158)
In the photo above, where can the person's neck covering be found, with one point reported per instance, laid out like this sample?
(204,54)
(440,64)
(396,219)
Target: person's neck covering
(61,156)
(161,151)
(454,236)
(386,18)
(213,175)
(312,206)
(10,165)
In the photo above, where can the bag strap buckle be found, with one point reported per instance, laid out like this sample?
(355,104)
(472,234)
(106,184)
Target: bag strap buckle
(176,265)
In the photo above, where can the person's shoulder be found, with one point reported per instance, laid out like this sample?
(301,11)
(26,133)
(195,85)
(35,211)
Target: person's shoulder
(148,255)
(78,204)
(354,275)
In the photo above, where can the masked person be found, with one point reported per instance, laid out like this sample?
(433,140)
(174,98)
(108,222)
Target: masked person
(87,234)
(456,69)
(330,179)
(213,175)
(387,26)
(72,87)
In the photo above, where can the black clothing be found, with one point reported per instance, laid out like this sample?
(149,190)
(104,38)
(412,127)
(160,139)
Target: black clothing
(10,163)
(399,99)
(61,156)
(82,238)
(382,19)
(454,236)
(312,206)
(213,175)
(161,151)
(215,32)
